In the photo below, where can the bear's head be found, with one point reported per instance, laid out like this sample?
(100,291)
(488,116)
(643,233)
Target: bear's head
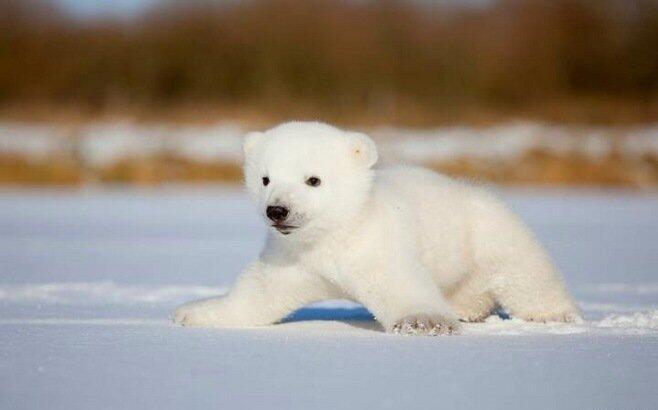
(308,177)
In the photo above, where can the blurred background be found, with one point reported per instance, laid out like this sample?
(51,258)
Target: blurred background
(146,92)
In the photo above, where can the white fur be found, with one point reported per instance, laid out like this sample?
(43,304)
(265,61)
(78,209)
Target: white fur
(418,249)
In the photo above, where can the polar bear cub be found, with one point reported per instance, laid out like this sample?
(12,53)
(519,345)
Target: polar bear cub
(421,251)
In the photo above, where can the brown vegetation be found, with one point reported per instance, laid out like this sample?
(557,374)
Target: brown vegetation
(166,169)
(15,170)
(538,167)
(396,61)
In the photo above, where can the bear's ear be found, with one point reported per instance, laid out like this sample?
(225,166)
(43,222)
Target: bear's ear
(363,148)
(250,140)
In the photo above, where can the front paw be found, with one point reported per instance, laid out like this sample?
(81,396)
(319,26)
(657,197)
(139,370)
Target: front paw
(425,324)
(193,316)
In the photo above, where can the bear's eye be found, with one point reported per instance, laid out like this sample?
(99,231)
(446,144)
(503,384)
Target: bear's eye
(266,181)
(313,181)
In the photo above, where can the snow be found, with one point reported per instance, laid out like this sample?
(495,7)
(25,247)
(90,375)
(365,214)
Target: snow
(74,293)
(103,143)
(88,279)
(638,320)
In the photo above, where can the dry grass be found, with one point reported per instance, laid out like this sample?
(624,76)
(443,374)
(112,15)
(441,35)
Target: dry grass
(165,169)
(534,168)
(546,168)
(16,170)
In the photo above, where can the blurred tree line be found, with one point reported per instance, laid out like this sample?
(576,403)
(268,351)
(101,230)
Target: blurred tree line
(373,56)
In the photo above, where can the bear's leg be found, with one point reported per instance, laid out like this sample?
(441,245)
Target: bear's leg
(528,287)
(471,301)
(402,297)
(523,280)
(534,293)
(263,295)
(519,273)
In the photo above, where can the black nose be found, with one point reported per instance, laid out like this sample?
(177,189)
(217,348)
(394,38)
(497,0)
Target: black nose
(276,213)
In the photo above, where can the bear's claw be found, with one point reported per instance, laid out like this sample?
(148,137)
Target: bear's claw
(430,325)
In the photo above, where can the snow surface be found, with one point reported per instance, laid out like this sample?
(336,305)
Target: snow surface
(88,279)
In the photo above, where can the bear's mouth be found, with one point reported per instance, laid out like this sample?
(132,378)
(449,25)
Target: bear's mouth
(284,229)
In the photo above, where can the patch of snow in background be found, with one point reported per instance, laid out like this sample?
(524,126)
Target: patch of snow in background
(32,141)
(103,143)
(513,140)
